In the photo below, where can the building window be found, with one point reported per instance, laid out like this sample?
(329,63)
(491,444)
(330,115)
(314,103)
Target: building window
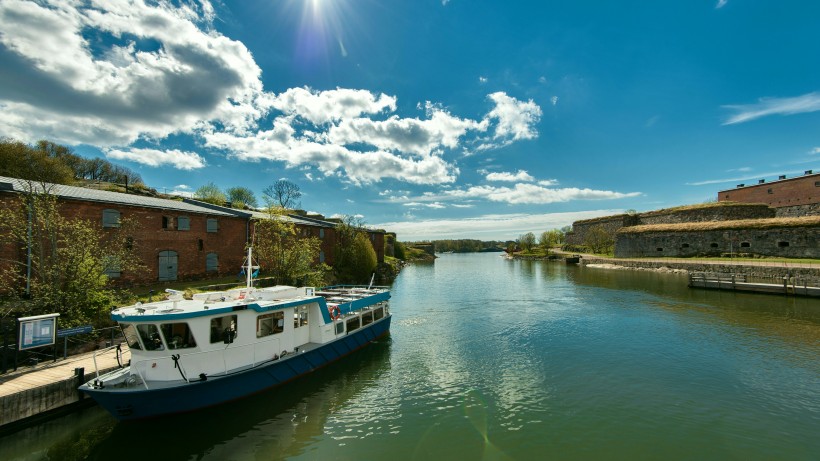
(211,263)
(769,191)
(200,244)
(685,245)
(660,249)
(212,225)
(321,233)
(111,218)
(713,245)
(183,223)
(816,183)
(166,222)
(111,267)
(782,244)
(321,256)
(745,245)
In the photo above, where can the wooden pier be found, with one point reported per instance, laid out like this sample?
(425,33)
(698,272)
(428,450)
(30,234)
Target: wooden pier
(738,282)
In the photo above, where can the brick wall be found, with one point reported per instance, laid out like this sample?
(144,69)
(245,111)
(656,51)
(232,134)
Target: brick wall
(801,190)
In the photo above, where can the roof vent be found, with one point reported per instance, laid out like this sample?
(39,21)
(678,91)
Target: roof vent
(761,181)
(808,171)
(741,185)
(782,176)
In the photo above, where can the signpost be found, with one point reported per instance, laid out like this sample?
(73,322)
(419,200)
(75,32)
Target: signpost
(71,332)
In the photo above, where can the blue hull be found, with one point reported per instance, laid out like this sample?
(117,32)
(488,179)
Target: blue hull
(146,403)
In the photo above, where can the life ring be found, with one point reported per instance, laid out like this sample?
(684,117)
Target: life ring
(335,313)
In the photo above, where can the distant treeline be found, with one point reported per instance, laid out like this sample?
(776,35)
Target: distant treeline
(464,245)
(49,162)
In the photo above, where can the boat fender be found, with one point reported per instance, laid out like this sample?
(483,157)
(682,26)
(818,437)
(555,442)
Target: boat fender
(335,313)
(284,353)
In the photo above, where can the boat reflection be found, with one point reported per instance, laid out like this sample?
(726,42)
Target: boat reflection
(271,425)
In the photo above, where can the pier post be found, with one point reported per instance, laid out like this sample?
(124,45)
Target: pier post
(80,374)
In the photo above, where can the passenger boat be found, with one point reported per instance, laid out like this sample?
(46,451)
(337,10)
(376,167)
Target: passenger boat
(188,354)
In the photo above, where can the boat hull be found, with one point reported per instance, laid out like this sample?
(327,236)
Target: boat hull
(130,404)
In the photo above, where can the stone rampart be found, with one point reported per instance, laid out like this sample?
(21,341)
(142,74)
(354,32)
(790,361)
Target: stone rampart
(787,242)
(798,211)
(722,211)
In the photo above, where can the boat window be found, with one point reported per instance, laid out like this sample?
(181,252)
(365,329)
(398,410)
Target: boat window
(340,328)
(177,335)
(367,318)
(270,324)
(300,317)
(150,337)
(352,324)
(130,333)
(378,313)
(223,329)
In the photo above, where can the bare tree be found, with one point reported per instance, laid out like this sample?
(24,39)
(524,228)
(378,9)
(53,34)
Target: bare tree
(282,193)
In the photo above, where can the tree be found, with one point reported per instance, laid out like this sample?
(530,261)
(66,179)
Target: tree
(282,193)
(398,251)
(355,257)
(241,197)
(285,255)
(550,238)
(527,241)
(69,261)
(210,193)
(18,160)
(599,240)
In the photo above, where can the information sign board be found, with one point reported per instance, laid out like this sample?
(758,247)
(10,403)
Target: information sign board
(37,331)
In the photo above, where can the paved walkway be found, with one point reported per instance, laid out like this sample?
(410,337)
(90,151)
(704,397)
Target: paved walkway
(28,377)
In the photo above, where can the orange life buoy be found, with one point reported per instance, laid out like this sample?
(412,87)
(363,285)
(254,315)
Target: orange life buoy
(334,312)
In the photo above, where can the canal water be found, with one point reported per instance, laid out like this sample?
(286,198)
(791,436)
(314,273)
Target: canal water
(516,360)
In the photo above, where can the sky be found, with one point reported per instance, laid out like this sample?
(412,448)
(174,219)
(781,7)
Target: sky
(434,119)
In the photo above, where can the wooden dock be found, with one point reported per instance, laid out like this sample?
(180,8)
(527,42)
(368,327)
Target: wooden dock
(31,392)
(738,282)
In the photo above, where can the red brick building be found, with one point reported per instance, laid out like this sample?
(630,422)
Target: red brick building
(175,240)
(783,192)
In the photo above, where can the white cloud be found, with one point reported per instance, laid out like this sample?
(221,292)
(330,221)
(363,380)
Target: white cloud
(487,227)
(482,79)
(548,182)
(774,106)
(515,119)
(156,158)
(56,85)
(533,194)
(424,205)
(816,150)
(404,135)
(521,175)
(721,3)
(554,100)
(320,107)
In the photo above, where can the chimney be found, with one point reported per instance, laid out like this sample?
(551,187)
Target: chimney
(740,185)
(761,181)
(808,172)
(782,176)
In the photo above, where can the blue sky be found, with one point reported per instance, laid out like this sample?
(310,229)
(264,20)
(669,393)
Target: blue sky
(430,118)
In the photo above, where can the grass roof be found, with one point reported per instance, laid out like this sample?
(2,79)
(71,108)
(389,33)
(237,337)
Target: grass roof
(741,224)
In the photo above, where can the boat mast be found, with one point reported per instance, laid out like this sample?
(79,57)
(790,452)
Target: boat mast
(248,269)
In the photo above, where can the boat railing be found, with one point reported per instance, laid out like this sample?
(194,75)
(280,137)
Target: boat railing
(101,351)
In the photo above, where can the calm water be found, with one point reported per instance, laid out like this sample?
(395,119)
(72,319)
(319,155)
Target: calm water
(496,359)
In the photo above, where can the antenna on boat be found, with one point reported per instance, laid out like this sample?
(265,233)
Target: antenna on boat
(372,277)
